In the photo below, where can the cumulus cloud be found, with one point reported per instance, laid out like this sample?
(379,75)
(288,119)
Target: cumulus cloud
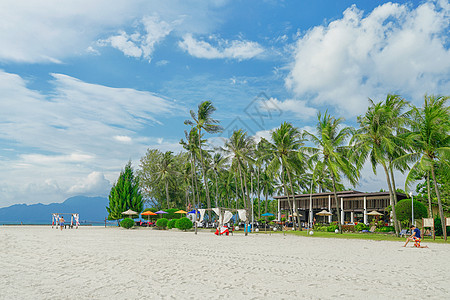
(235,49)
(393,49)
(94,184)
(141,44)
(299,108)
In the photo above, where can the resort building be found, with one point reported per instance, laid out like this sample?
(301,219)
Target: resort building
(354,206)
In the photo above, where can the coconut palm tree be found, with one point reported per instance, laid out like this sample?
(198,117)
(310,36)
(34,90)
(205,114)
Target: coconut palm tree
(165,172)
(377,140)
(217,166)
(284,149)
(202,120)
(240,148)
(430,139)
(332,152)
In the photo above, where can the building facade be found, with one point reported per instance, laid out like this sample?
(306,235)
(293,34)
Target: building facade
(354,206)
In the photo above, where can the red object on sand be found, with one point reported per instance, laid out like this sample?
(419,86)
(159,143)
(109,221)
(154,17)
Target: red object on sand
(223,230)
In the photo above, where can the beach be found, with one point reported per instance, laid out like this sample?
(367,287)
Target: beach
(38,262)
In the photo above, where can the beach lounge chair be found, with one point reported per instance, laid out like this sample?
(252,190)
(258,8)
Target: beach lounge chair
(404,232)
(372,229)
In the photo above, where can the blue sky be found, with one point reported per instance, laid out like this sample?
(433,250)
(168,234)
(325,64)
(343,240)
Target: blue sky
(87,85)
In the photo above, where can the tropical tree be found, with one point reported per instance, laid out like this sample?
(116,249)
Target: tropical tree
(284,148)
(376,140)
(240,148)
(202,120)
(125,194)
(430,141)
(333,153)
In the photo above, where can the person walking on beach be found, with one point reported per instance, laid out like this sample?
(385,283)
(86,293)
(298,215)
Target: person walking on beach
(415,236)
(61,222)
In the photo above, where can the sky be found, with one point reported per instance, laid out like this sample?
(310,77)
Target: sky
(86,86)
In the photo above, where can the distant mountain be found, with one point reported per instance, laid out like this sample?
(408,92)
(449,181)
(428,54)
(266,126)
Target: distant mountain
(89,208)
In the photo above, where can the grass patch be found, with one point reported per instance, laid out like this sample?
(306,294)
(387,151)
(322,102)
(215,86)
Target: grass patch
(358,236)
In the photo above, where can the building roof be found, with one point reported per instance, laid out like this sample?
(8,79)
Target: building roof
(344,194)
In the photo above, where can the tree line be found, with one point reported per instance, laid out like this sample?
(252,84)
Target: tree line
(393,134)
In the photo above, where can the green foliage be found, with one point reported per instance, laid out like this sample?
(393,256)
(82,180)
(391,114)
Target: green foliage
(183,224)
(127,223)
(438,227)
(361,227)
(385,229)
(162,223)
(332,228)
(348,228)
(125,194)
(403,210)
(171,223)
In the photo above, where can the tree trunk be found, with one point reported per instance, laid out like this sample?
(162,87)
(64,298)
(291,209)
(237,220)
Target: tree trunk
(394,214)
(217,192)
(205,179)
(167,194)
(293,200)
(394,192)
(337,203)
(244,198)
(247,200)
(441,210)
(287,195)
(259,193)
(430,210)
(193,192)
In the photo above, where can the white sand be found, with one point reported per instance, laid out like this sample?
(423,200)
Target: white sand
(38,262)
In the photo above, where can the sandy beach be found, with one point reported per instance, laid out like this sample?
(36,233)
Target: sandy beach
(38,262)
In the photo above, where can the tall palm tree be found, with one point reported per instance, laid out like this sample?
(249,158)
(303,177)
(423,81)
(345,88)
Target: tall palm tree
(239,148)
(202,120)
(286,144)
(165,172)
(217,166)
(377,140)
(431,142)
(331,150)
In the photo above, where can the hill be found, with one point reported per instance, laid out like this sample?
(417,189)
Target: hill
(89,208)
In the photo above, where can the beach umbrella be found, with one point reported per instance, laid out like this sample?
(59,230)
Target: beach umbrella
(324,213)
(161,212)
(374,213)
(181,212)
(267,215)
(148,213)
(129,212)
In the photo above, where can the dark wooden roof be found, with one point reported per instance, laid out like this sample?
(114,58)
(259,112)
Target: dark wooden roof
(345,194)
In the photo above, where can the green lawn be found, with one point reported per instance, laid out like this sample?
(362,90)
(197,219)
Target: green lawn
(361,236)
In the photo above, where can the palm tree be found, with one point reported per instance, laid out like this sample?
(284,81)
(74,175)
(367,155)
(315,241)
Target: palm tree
(240,147)
(287,141)
(431,142)
(377,140)
(202,120)
(332,152)
(165,172)
(217,166)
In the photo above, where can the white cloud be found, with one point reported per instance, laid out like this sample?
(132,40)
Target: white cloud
(236,49)
(394,49)
(94,184)
(298,107)
(46,31)
(52,141)
(141,44)
(122,138)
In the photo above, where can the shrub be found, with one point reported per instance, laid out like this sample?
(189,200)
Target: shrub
(183,224)
(385,229)
(332,228)
(162,223)
(438,227)
(403,210)
(361,227)
(171,223)
(127,223)
(348,228)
